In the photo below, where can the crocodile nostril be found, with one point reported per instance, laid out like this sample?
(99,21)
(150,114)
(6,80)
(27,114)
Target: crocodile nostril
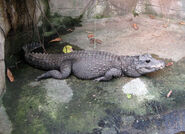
(147,61)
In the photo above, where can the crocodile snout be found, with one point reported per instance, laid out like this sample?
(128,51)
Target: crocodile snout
(161,65)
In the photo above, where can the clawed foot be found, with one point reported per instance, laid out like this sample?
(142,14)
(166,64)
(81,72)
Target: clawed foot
(38,78)
(98,79)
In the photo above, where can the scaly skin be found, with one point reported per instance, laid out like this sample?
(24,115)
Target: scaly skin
(98,65)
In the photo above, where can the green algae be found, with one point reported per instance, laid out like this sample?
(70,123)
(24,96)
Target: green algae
(32,110)
(55,23)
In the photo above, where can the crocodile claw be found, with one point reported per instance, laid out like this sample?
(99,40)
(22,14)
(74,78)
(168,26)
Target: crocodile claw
(37,79)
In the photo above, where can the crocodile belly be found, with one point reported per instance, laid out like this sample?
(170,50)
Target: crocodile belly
(90,68)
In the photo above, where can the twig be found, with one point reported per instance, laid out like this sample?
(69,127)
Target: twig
(38,34)
(3,31)
(37,30)
(90,2)
(39,6)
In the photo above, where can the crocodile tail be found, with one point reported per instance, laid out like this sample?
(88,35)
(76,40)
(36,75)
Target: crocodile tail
(31,46)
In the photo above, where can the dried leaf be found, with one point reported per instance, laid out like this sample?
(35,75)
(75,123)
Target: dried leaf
(67,49)
(169,94)
(90,35)
(56,39)
(69,30)
(165,25)
(135,26)
(151,16)
(155,35)
(89,32)
(169,64)
(98,41)
(92,40)
(10,75)
(182,23)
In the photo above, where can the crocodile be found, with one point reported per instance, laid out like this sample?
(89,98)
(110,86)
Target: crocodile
(89,64)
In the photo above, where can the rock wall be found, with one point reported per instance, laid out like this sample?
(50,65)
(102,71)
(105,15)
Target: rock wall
(16,16)
(2,65)
(109,8)
(4,28)
(163,8)
(68,7)
(21,14)
(92,8)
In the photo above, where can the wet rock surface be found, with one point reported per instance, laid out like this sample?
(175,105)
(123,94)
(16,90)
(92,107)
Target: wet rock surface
(6,126)
(118,36)
(74,106)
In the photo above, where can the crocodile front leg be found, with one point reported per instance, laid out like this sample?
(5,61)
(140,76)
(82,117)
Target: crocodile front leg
(113,72)
(65,71)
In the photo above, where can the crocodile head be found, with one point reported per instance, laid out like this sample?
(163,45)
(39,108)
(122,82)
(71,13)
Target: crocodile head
(135,66)
(147,64)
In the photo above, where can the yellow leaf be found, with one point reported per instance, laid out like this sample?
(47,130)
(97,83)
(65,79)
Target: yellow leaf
(67,49)
(129,96)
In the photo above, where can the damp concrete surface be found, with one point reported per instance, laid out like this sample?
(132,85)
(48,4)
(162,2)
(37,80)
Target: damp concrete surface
(120,106)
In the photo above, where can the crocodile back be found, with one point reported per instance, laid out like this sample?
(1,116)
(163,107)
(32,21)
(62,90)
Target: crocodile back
(53,61)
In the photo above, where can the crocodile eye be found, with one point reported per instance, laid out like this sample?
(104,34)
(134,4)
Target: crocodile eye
(147,61)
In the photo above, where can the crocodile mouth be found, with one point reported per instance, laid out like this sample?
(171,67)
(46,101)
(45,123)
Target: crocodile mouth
(158,67)
(155,68)
(149,69)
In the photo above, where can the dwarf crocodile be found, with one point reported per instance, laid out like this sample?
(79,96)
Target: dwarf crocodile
(97,65)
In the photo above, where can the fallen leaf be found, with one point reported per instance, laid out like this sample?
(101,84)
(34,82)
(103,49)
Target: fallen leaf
(151,16)
(169,94)
(135,26)
(98,41)
(89,32)
(135,14)
(67,49)
(155,35)
(129,96)
(165,25)
(10,75)
(182,23)
(69,30)
(56,39)
(92,40)
(90,35)
(94,95)
(169,64)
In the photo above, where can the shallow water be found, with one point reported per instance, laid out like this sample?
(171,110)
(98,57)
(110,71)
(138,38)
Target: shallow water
(120,106)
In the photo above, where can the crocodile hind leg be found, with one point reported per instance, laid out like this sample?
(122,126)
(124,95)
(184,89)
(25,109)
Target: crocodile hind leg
(53,73)
(65,71)
(113,72)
